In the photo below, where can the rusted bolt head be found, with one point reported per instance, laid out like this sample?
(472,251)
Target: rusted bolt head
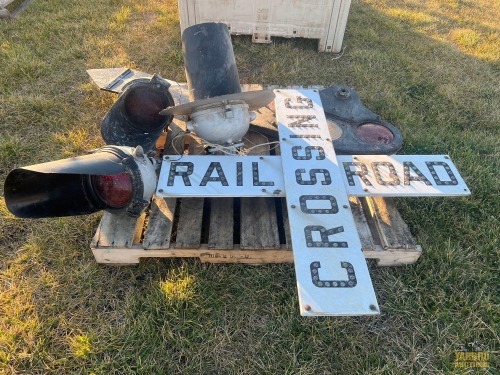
(307,307)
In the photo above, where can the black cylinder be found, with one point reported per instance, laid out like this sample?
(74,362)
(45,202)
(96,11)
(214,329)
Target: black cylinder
(59,188)
(209,60)
(134,119)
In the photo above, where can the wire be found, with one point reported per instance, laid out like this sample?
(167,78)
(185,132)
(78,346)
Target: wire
(227,150)
(183,133)
(276,143)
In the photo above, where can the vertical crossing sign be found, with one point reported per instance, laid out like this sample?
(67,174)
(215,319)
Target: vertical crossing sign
(332,275)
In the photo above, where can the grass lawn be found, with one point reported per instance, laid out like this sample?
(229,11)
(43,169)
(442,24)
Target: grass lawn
(430,67)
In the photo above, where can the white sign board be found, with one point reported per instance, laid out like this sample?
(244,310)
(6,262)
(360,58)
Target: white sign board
(332,275)
(262,176)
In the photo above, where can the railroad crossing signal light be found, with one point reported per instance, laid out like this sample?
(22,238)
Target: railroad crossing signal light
(135,119)
(112,178)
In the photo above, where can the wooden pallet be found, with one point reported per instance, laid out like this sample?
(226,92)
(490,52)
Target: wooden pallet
(5,13)
(238,230)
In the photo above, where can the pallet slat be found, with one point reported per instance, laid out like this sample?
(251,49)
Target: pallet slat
(391,228)
(118,231)
(161,219)
(221,224)
(259,227)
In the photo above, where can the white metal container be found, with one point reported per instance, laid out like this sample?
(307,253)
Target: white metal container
(314,19)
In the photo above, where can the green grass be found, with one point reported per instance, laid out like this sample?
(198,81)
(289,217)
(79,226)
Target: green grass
(432,68)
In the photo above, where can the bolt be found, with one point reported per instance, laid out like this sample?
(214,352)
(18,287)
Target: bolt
(365,189)
(293,206)
(373,308)
(264,190)
(345,206)
(283,139)
(344,93)
(261,158)
(446,157)
(165,157)
(307,307)
(160,190)
(328,139)
(277,191)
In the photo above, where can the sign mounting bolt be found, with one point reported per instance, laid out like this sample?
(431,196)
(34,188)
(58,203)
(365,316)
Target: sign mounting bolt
(307,307)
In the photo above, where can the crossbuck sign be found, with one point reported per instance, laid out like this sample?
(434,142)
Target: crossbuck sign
(332,275)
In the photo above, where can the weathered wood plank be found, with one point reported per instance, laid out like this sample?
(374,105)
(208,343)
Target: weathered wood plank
(284,213)
(118,230)
(130,256)
(364,232)
(259,227)
(161,218)
(190,212)
(189,225)
(221,223)
(390,226)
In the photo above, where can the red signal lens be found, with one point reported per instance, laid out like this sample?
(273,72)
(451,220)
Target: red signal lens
(374,134)
(115,191)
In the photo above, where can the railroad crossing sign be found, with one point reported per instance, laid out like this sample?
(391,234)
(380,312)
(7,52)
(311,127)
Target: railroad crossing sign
(332,275)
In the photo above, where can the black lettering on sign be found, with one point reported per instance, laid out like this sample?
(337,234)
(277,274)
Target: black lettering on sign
(301,121)
(221,177)
(333,209)
(324,233)
(255,172)
(312,173)
(407,165)
(308,154)
(351,281)
(392,173)
(361,174)
(174,172)
(304,103)
(239,173)
(453,178)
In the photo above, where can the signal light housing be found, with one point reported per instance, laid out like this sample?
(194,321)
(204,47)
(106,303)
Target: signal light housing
(135,119)
(113,178)
(359,130)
